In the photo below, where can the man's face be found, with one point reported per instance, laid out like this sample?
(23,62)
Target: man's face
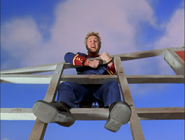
(92,44)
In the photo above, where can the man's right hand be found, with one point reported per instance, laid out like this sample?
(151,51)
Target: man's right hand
(93,63)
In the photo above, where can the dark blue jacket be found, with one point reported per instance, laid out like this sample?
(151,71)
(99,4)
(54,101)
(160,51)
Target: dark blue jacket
(79,58)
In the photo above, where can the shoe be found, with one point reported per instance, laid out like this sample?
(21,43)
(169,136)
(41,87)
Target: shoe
(120,114)
(55,112)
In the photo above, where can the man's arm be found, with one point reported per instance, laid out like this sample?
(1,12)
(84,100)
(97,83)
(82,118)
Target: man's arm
(110,64)
(80,60)
(75,59)
(92,63)
(111,70)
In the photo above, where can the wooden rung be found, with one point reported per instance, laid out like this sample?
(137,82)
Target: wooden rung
(91,79)
(169,113)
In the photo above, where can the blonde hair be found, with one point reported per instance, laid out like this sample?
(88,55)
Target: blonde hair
(93,34)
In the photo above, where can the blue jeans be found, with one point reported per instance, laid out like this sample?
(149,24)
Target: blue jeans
(72,93)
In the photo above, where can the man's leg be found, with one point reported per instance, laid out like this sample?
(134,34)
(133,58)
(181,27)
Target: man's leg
(108,93)
(59,112)
(119,111)
(54,112)
(119,114)
(71,93)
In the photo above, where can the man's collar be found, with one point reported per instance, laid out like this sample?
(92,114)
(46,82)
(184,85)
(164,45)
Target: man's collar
(93,55)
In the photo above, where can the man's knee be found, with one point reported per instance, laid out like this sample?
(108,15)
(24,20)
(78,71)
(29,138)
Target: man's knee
(112,84)
(64,84)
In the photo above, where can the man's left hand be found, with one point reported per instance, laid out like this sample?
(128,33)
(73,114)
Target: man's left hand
(105,56)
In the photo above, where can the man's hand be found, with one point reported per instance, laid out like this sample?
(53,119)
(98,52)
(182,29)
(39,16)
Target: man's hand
(92,63)
(105,56)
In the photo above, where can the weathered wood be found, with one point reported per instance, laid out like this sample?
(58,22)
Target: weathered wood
(51,67)
(167,113)
(139,55)
(90,79)
(39,128)
(176,63)
(25,79)
(177,48)
(100,114)
(30,70)
(135,126)
(38,69)
(53,86)
(146,79)
(17,114)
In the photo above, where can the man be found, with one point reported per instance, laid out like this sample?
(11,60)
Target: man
(69,93)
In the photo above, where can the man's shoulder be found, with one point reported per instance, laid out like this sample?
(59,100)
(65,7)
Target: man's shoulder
(82,54)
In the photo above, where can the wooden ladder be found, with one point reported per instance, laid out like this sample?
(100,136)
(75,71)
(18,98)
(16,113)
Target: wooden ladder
(173,56)
(39,128)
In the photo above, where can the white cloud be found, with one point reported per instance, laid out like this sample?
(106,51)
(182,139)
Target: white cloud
(21,34)
(174,37)
(116,21)
(19,38)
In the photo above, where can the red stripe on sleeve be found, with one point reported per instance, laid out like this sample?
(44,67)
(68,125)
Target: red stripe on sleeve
(78,60)
(111,70)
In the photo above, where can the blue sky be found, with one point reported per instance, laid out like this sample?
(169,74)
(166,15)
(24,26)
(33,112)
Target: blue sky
(41,32)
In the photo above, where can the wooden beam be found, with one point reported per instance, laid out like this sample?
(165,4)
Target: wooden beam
(176,63)
(135,126)
(146,79)
(51,67)
(167,113)
(177,48)
(38,69)
(17,114)
(30,70)
(90,79)
(139,55)
(39,128)
(145,54)
(45,79)
(25,79)
(132,79)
